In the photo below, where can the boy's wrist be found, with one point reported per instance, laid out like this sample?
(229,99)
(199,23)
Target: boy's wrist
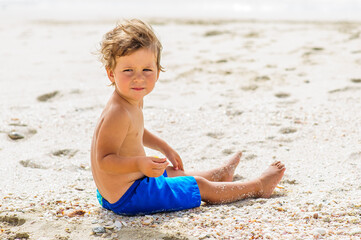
(163,147)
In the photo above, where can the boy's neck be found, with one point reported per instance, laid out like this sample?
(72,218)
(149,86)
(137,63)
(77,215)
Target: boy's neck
(129,102)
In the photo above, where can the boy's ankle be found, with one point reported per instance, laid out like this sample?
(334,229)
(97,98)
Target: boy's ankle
(259,188)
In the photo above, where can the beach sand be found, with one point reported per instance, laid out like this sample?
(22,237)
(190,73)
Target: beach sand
(283,90)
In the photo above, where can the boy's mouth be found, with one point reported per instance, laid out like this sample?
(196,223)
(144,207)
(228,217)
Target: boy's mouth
(138,89)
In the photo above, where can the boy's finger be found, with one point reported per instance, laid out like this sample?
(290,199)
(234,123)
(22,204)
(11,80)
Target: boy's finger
(161,166)
(181,165)
(165,164)
(159,160)
(175,165)
(178,165)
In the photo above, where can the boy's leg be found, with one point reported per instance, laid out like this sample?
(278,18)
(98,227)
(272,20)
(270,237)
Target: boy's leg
(220,174)
(216,192)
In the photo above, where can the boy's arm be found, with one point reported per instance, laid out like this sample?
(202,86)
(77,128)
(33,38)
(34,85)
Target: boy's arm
(152,141)
(111,135)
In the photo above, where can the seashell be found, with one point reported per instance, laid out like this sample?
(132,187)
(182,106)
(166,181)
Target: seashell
(15,135)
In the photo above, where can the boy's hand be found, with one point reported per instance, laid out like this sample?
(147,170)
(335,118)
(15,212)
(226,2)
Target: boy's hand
(153,166)
(174,158)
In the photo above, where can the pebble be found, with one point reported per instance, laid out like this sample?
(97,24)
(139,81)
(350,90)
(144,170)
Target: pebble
(148,220)
(110,227)
(118,224)
(98,230)
(15,135)
(320,231)
(243,220)
(267,235)
(109,223)
(75,213)
(355,231)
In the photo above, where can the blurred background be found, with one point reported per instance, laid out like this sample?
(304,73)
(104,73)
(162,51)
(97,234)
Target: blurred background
(312,10)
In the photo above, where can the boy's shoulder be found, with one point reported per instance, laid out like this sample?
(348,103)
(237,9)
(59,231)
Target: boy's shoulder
(116,113)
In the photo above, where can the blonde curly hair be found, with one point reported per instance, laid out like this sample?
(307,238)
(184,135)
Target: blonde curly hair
(127,37)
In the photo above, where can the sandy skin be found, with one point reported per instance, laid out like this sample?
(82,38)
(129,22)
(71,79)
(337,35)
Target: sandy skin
(216,186)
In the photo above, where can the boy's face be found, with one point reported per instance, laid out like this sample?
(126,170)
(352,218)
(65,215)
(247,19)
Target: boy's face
(135,75)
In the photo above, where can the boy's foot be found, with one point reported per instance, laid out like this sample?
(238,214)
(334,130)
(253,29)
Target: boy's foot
(270,178)
(227,171)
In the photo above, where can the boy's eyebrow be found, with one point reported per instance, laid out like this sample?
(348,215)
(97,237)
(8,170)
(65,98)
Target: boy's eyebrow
(146,66)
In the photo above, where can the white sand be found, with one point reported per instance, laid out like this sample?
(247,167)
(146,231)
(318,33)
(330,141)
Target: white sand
(289,91)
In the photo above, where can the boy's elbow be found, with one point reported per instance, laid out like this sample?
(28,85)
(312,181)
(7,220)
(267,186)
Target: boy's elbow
(104,163)
(113,164)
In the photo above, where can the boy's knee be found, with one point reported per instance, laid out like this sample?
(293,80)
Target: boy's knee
(201,181)
(205,188)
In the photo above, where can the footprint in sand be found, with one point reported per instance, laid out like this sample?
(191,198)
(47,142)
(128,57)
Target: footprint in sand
(355,35)
(31,164)
(282,95)
(356,80)
(216,135)
(313,50)
(46,97)
(214,33)
(233,113)
(345,89)
(263,78)
(65,153)
(222,61)
(285,140)
(288,130)
(252,35)
(227,151)
(250,157)
(12,220)
(251,87)
(290,182)
(317,49)
(355,156)
(310,52)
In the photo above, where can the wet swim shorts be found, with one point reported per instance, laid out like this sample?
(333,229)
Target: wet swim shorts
(151,195)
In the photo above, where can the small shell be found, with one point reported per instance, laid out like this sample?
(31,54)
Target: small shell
(15,135)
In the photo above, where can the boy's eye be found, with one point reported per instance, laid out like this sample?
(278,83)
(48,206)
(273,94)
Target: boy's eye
(127,70)
(147,70)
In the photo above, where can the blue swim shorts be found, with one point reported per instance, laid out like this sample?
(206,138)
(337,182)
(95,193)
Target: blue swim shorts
(150,195)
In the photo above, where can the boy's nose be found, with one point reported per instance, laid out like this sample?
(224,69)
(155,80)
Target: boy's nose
(138,77)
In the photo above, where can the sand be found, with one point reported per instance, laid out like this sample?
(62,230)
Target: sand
(283,90)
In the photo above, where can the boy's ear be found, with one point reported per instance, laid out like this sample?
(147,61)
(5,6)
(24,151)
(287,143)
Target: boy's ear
(110,74)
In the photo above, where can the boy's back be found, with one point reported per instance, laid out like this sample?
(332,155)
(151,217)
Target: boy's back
(119,130)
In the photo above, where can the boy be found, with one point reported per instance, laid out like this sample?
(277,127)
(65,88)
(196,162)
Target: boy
(128,181)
